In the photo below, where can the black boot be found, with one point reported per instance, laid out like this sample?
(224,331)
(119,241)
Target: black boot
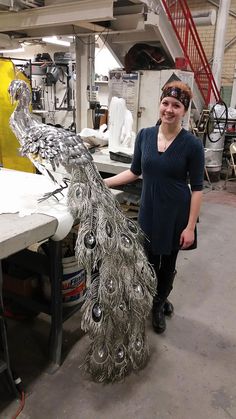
(161,306)
(168,308)
(158,316)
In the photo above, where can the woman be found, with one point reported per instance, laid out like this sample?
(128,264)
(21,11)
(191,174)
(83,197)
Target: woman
(168,157)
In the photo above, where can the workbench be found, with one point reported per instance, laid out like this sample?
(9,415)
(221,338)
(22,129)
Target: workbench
(108,167)
(17,233)
(104,164)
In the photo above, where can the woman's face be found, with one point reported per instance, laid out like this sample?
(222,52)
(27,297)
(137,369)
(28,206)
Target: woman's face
(171,110)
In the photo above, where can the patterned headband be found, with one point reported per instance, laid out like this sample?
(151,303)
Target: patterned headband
(178,94)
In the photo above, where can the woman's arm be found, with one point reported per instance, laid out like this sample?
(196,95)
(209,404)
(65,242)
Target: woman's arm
(121,179)
(187,236)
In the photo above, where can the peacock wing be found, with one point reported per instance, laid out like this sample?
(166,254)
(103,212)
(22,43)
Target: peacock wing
(121,283)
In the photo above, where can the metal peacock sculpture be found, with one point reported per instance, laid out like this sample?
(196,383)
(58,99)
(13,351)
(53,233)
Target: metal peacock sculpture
(120,281)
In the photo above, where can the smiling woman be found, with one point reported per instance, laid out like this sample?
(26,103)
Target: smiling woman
(168,157)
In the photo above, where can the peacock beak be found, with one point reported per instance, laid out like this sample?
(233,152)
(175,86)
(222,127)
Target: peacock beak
(11,96)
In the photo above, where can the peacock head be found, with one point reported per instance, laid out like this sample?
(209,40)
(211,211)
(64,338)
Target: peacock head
(19,90)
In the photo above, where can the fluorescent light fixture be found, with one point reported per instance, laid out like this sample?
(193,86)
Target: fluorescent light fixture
(55,40)
(20,49)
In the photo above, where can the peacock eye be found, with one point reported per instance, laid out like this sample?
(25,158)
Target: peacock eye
(111,285)
(138,343)
(132,227)
(96,313)
(89,240)
(138,290)
(126,241)
(120,353)
(100,353)
(109,229)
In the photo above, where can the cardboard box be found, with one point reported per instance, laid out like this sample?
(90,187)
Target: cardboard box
(26,287)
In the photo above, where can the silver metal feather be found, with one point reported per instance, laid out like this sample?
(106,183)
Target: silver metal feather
(120,281)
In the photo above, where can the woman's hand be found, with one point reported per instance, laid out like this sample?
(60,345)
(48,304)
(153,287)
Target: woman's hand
(186,238)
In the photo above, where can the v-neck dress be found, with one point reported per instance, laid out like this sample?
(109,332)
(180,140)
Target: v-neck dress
(166,195)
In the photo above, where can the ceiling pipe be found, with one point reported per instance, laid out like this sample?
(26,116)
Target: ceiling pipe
(204,18)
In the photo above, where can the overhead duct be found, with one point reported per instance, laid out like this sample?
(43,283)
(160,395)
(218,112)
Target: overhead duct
(204,17)
(15,5)
(27,4)
(6,4)
(6,42)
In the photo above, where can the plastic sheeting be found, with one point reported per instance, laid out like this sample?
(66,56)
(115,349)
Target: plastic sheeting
(9,146)
(20,193)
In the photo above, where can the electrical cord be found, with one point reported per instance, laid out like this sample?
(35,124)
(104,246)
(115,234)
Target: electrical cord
(106,31)
(19,386)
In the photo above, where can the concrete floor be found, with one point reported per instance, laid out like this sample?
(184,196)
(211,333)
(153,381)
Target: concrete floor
(191,372)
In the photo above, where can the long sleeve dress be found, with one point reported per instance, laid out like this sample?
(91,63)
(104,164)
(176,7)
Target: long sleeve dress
(166,195)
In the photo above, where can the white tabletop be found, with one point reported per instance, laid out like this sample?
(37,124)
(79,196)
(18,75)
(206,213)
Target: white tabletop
(17,233)
(104,163)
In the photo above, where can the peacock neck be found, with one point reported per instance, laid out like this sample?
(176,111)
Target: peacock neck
(21,120)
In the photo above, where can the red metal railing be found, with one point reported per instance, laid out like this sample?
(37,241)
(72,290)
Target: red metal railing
(181,19)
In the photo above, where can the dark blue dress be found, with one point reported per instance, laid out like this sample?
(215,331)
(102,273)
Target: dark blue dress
(166,196)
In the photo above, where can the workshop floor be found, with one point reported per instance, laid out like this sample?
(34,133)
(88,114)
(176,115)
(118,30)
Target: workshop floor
(191,372)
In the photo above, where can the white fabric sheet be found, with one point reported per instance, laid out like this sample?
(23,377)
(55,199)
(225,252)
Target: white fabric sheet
(20,191)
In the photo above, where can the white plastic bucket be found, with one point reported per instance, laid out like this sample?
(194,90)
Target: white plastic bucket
(73,283)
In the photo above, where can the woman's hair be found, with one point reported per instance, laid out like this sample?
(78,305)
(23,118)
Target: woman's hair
(179,90)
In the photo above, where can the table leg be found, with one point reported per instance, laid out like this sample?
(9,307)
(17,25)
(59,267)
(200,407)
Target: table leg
(5,362)
(55,344)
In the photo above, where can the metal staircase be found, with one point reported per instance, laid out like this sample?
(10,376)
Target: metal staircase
(184,27)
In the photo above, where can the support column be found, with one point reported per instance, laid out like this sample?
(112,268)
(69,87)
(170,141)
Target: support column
(219,46)
(82,81)
(233,95)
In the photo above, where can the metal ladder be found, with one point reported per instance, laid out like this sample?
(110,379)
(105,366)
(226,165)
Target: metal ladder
(182,22)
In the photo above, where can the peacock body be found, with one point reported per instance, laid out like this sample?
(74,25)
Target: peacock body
(52,150)
(120,281)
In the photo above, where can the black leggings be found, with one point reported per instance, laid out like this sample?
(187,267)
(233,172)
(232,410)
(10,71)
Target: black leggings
(164,263)
(164,266)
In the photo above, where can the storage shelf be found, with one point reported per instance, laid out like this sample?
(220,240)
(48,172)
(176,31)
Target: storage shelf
(101,81)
